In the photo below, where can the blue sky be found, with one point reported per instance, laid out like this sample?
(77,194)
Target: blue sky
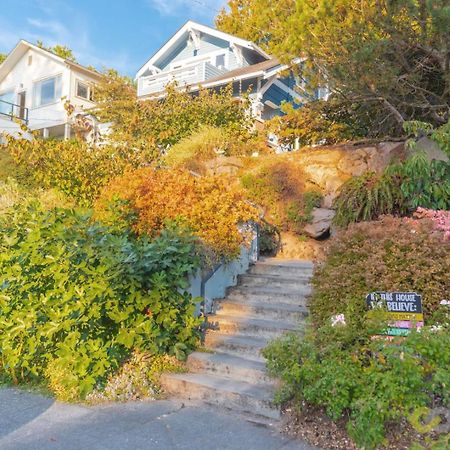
(104,33)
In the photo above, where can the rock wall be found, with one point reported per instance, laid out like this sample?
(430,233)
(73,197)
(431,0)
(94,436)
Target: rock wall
(330,167)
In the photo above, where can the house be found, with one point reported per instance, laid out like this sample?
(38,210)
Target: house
(199,56)
(34,86)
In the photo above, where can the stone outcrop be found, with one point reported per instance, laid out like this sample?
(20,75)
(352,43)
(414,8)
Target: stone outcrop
(330,167)
(320,224)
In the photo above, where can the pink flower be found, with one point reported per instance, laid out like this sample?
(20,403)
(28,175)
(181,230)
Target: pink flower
(338,320)
(445,302)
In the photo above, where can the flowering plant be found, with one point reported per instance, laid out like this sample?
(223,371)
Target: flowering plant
(338,319)
(440,219)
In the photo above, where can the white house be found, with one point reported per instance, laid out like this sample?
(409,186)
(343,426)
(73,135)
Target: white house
(197,55)
(35,84)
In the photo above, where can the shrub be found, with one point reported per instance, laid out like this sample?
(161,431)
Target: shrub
(369,383)
(279,187)
(400,190)
(205,144)
(367,197)
(75,168)
(422,183)
(76,298)
(269,239)
(212,207)
(338,366)
(387,255)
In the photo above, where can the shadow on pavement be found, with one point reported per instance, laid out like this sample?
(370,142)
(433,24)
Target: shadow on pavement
(18,408)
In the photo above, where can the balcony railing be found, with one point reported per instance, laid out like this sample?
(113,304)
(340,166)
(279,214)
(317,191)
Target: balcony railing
(13,111)
(187,75)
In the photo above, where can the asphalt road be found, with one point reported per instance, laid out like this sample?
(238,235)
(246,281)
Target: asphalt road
(29,421)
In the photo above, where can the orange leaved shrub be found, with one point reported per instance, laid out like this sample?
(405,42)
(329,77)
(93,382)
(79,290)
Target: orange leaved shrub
(211,206)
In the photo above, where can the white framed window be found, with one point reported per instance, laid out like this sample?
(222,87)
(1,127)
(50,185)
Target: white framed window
(7,98)
(84,90)
(47,91)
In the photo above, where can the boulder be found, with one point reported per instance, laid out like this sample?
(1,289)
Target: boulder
(430,148)
(320,224)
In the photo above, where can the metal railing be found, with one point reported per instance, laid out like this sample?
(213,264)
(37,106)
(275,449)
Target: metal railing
(13,111)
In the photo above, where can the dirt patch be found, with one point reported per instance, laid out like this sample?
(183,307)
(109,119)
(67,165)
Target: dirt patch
(312,425)
(294,246)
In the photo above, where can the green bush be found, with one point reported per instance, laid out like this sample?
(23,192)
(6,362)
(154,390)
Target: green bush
(76,298)
(75,168)
(365,198)
(338,366)
(367,382)
(269,239)
(399,190)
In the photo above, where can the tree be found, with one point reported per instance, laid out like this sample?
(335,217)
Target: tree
(256,20)
(2,57)
(156,124)
(392,56)
(60,50)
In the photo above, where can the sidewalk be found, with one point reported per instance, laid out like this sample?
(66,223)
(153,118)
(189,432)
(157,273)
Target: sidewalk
(29,421)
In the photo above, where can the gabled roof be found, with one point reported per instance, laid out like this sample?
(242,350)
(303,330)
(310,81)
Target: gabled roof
(23,46)
(191,25)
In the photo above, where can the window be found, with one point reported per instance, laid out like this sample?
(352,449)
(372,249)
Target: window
(195,52)
(220,61)
(83,90)
(5,102)
(47,91)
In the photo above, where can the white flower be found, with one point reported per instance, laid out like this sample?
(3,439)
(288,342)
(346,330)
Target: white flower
(338,320)
(436,328)
(445,302)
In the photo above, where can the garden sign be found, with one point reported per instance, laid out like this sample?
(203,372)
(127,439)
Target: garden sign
(404,310)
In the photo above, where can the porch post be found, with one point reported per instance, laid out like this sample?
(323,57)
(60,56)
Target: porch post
(67,131)
(45,133)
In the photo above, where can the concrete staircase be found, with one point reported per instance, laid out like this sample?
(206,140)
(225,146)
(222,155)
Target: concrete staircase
(231,373)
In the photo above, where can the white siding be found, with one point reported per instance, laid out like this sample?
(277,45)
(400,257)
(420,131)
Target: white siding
(33,67)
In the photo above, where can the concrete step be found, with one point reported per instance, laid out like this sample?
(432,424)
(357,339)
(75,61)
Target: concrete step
(280,267)
(229,366)
(267,294)
(219,391)
(263,310)
(237,345)
(281,282)
(251,326)
(300,285)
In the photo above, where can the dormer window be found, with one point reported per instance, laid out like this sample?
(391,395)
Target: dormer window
(220,61)
(195,52)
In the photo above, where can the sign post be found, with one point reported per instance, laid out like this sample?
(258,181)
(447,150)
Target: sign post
(404,310)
